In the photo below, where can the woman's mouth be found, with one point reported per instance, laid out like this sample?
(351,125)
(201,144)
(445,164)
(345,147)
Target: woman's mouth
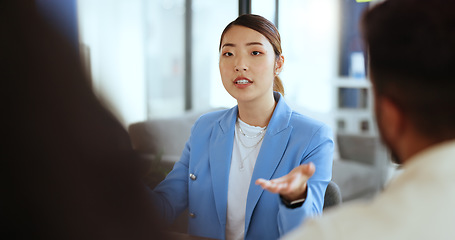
(242,81)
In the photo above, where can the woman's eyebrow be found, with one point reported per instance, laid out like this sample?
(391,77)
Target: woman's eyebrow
(248,44)
(228,45)
(254,43)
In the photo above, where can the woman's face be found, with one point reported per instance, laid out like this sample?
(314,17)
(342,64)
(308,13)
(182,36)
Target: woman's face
(248,64)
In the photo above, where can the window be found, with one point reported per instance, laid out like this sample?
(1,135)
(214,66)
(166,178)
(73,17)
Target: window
(164,57)
(168,46)
(310,50)
(267,9)
(210,17)
(159,58)
(309,33)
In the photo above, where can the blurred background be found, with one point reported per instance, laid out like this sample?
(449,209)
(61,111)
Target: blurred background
(159,58)
(154,63)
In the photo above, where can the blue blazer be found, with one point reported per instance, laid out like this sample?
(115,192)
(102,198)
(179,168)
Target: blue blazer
(199,180)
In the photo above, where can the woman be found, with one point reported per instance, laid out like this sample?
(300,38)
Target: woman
(261,138)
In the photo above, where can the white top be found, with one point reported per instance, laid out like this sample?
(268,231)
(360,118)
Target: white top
(247,143)
(418,204)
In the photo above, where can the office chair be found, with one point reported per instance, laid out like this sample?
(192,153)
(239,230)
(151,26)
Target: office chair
(332,195)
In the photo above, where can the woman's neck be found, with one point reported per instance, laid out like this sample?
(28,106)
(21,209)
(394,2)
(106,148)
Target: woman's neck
(257,113)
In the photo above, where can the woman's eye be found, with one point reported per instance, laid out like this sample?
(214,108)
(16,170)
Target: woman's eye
(227,54)
(255,53)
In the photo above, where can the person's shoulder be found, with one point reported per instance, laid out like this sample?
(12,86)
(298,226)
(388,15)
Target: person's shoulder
(333,224)
(303,125)
(213,115)
(208,119)
(206,122)
(299,120)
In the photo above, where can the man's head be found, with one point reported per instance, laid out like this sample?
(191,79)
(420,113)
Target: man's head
(411,44)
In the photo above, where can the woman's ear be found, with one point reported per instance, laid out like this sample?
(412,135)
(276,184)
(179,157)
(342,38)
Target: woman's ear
(279,65)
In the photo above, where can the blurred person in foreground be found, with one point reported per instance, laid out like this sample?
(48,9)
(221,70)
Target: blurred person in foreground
(412,68)
(68,170)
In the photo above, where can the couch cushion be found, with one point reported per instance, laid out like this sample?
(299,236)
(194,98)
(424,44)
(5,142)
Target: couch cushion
(165,136)
(355,179)
(358,147)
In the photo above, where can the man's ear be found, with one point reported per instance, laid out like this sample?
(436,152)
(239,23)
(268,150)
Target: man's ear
(391,117)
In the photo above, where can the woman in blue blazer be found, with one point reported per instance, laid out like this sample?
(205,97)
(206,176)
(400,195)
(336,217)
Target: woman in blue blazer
(260,138)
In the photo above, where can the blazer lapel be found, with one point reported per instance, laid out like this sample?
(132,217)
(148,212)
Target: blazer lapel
(220,152)
(272,150)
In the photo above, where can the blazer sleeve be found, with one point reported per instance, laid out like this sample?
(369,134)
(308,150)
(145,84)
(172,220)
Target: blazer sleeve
(319,152)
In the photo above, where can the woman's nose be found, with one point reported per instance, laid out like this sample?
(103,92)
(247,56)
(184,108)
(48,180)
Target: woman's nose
(240,64)
(240,68)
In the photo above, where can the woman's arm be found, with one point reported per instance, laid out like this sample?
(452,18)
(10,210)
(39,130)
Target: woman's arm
(308,180)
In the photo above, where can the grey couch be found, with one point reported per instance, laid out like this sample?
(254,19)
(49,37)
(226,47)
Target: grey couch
(361,170)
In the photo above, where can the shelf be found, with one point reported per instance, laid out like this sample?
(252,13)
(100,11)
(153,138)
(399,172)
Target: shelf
(352,83)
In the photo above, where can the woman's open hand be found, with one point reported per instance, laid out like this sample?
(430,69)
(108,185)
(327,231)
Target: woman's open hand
(292,186)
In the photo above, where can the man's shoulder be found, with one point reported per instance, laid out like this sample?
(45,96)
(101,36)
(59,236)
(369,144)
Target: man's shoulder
(352,221)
